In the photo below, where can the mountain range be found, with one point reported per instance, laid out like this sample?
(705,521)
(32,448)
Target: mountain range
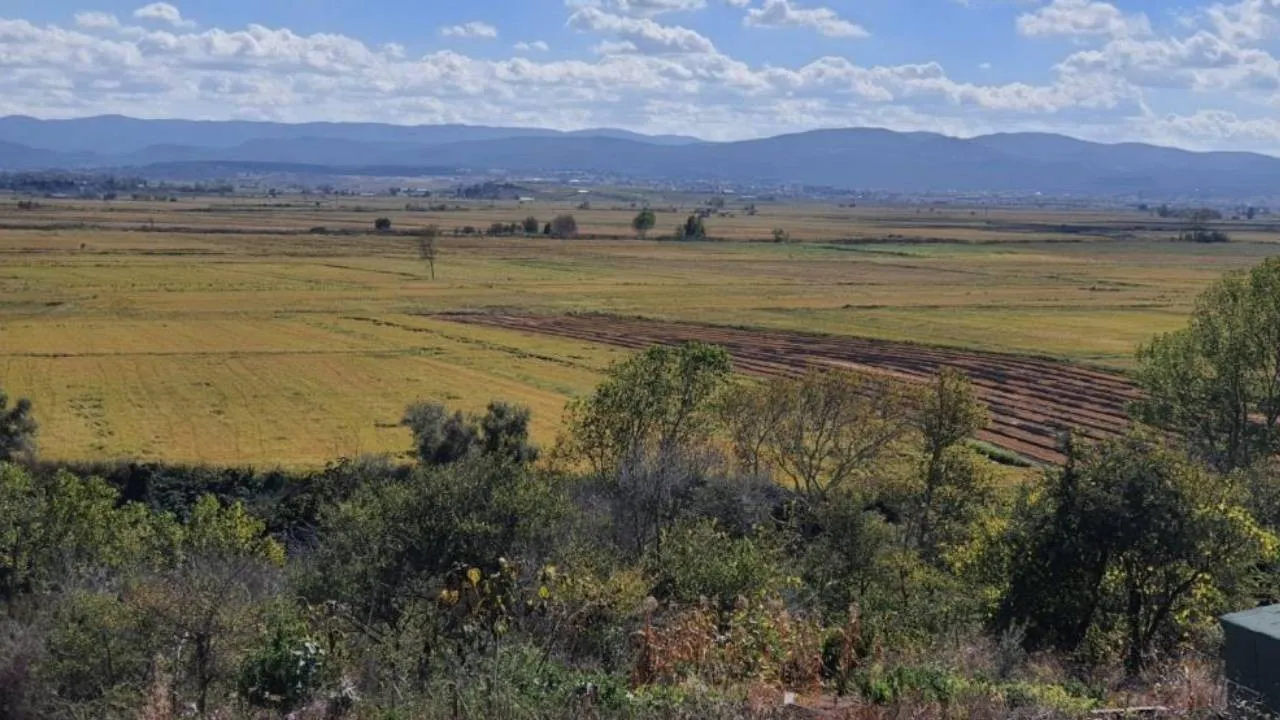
(855,158)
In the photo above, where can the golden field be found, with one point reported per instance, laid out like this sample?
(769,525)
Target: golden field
(221,331)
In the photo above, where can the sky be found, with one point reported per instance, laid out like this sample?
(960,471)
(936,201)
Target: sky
(1200,75)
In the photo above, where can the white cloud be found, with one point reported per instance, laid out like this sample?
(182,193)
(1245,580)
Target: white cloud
(1082,18)
(651,8)
(654,76)
(97,21)
(1202,61)
(645,34)
(1211,129)
(781,13)
(163,12)
(474,29)
(614,47)
(536,45)
(1245,21)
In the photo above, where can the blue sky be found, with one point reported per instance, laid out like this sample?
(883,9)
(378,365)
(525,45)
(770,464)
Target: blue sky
(1195,74)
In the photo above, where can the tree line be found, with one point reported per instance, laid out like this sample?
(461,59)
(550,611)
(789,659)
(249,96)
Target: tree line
(692,542)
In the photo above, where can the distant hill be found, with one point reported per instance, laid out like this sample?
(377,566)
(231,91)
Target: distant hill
(116,135)
(856,158)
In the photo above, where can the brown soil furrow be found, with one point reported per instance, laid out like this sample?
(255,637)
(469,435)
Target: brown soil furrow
(1032,400)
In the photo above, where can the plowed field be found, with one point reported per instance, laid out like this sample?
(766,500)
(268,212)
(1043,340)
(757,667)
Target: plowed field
(1032,400)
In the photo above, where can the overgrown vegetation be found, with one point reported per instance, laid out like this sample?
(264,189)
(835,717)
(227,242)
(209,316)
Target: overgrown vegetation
(695,545)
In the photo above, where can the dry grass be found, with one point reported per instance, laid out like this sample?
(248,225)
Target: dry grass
(294,349)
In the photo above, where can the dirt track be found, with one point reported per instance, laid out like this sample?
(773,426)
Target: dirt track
(1032,400)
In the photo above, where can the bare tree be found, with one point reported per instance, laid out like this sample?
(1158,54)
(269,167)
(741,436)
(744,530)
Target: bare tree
(427,246)
(819,431)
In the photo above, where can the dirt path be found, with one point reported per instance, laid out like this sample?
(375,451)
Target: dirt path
(1032,400)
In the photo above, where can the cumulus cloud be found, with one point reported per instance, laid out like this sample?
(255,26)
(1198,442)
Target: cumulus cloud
(645,34)
(1082,18)
(781,13)
(536,45)
(163,12)
(474,29)
(1245,21)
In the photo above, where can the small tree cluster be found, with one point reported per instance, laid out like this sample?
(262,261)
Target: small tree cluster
(692,229)
(442,438)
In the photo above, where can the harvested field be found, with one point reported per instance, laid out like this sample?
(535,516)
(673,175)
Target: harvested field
(1032,400)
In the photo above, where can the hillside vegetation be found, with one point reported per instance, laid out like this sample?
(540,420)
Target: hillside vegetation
(694,544)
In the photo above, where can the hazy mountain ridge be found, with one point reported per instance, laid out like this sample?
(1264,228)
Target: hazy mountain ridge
(858,158)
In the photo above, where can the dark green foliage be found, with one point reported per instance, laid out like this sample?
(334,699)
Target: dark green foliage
(441,438)
(692,229)
(17,428)
(389,543)
(530,225)
(504,433)
(1127,539)
(845,545)
(382,224)
(644,222)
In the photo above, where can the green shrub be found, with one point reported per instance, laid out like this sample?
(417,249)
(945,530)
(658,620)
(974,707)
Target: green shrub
(696,560)
(285,670)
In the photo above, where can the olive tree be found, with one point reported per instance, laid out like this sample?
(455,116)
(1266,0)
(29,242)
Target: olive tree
(442,438)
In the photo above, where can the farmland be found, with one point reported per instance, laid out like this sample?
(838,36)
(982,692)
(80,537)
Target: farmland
(230,331)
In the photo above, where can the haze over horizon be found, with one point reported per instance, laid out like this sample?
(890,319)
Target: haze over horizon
(1196,75)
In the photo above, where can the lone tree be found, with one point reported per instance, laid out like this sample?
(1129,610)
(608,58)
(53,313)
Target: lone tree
(382,224)
(531,225)
(564,226)
(427,246)
(644,222)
